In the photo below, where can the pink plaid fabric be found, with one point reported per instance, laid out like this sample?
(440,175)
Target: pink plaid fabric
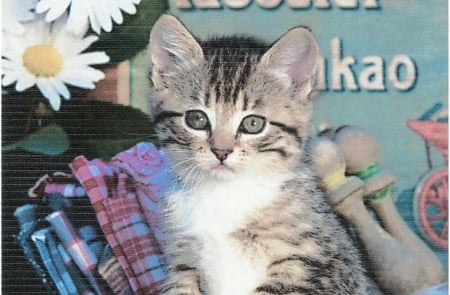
(149,170)
(125,197)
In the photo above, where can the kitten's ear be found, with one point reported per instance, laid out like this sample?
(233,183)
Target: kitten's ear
(172,48)
(293,59)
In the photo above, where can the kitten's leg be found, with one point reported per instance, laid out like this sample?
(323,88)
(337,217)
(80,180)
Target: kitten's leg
(285,276)
(182,277)
(299,274)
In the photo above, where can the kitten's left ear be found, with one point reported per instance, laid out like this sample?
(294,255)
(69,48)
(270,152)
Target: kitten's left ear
(172,48)
(292,59)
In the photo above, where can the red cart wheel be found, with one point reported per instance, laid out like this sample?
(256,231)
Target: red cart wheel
(431,206)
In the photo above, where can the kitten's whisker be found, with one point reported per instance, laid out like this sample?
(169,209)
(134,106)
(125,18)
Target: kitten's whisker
(195,180)
(194,166)
(181,163)
(183,173)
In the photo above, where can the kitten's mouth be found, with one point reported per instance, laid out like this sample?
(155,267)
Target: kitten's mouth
(222,167)
(222,171)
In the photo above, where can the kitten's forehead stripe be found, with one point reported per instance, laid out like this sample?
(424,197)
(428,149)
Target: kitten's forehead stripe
(245,106)
(230,62)
(206,99)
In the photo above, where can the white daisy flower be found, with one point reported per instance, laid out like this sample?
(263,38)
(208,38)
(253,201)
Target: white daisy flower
(99,13)
(16,11)
(47,56)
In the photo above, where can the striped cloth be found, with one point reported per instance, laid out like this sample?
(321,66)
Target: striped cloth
(125,196)
(111,271)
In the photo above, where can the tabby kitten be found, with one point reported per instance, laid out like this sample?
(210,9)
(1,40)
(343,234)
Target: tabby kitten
(233,115)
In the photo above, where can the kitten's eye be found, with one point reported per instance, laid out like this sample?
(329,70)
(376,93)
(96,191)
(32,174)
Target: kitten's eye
(197,120)
(252,124)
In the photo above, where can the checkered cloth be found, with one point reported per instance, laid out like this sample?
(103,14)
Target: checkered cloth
(125,196)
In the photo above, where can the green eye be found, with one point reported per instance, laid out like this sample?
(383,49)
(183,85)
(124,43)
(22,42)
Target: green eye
(252,124)
(197,120)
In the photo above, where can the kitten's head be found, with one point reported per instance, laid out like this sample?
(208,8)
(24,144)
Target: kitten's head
(231,106)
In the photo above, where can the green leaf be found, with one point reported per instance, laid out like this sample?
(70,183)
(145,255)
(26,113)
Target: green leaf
(108,148)
(50,140)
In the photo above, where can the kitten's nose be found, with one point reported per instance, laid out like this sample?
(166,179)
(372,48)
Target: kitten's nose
(221,155)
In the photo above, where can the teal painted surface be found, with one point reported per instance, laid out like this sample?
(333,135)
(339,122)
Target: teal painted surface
(415,28)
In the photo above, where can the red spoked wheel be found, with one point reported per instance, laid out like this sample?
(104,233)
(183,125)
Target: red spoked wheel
(431,206)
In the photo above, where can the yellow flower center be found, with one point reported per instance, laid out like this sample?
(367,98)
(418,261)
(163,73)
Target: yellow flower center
(42,60)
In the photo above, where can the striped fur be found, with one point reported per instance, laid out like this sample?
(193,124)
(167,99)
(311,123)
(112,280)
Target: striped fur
(245,216)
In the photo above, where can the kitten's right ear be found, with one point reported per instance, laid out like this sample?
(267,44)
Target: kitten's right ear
(172,48)
(293,59)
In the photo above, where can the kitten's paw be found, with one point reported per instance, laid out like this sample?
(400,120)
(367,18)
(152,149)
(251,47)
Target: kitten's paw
(177,289)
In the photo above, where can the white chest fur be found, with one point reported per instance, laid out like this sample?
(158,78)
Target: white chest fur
(211,213)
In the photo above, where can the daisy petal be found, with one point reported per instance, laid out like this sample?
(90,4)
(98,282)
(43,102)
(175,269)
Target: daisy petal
(61,88)
(26,81)
(95,25)
(13,27)
(116,15)
(26,14)
(70,45)
(85,43)
(9,78)
(90,58)
(83,78)
(49,92)
(126,6)
(54,8)
(58,27)
(101,12)
(13,49)
(14,12)
(78,17)
(7,65)
(45,5)
(53,14)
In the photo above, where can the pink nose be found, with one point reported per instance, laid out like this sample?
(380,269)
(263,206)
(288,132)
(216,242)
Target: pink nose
(221,155)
